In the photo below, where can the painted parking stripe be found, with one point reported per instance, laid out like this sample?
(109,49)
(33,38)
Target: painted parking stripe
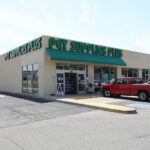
(139,105)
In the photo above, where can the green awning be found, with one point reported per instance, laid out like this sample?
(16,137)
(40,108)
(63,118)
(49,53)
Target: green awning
(61,55)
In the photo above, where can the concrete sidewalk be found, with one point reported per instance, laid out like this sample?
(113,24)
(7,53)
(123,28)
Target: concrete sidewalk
(98,102)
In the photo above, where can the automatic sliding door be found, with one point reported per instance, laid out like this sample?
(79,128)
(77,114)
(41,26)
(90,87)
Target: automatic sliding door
(60,82)
(70,83)
(81,80)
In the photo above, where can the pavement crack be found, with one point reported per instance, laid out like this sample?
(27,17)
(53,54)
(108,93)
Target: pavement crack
(142,136)
(10,140)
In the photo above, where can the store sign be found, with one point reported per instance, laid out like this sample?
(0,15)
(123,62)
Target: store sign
(31,46)
(61,44)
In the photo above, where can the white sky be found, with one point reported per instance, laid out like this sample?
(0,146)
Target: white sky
(123,24)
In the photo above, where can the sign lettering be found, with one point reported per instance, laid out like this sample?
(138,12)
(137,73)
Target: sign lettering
(31,46)
(85,48)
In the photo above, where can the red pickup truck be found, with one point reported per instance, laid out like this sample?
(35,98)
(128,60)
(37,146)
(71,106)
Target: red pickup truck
(127,86)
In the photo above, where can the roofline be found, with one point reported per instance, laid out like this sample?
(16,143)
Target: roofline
(76,41)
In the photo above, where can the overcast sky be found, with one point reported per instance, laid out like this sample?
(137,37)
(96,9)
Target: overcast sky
(123,24)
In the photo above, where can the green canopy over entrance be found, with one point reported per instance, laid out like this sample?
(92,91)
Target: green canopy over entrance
(61,55)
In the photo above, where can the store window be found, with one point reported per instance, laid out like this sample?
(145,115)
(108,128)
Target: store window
(60,78)
(145,74)
(60,82)
(135,73)
(130,72)
(60,66)
(86,67)
(124,72)
(81,67)
(24,79)
(30,79)
(97,79)
(103,75)
(81,82)
(70,67)
(113,74)
(35,78)
(98,74)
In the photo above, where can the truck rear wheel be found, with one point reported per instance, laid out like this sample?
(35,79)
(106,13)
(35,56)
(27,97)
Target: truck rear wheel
(106,93)
(142,96)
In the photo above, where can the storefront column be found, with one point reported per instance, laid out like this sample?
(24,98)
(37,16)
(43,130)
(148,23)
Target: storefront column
(91,75)
(41,79)
(50,78)
(140,73)
(118,72)
(47,78)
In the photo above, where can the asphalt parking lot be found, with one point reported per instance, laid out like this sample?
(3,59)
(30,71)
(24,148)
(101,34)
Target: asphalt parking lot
(18,111)
(29,125)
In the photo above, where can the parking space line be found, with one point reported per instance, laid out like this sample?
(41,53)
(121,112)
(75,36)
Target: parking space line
(139,106)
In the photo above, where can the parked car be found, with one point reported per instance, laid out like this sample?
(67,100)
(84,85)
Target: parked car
(127,86)
(147,82)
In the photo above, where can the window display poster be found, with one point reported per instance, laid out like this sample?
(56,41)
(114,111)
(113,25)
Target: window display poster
(60,87)
(105,77)
(97,76)
(91,78)
(112,75)
(54,77)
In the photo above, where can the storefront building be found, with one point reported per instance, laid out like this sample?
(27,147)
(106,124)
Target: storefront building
(55,66)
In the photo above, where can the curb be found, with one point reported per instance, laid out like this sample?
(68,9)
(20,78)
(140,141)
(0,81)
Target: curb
(108,107)
(33,98)
(87,97)
(132,111)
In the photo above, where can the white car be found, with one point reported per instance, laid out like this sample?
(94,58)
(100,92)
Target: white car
(147,82)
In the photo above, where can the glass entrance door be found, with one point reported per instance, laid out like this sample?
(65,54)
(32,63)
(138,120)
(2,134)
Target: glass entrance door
(71,77)
(81,83)
(70,83)
(60,84)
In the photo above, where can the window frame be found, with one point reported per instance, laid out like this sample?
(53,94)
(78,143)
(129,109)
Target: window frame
(133,70)
(31,91)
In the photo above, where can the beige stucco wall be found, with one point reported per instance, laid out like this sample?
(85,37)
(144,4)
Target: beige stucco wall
(136,60)
(11,70)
